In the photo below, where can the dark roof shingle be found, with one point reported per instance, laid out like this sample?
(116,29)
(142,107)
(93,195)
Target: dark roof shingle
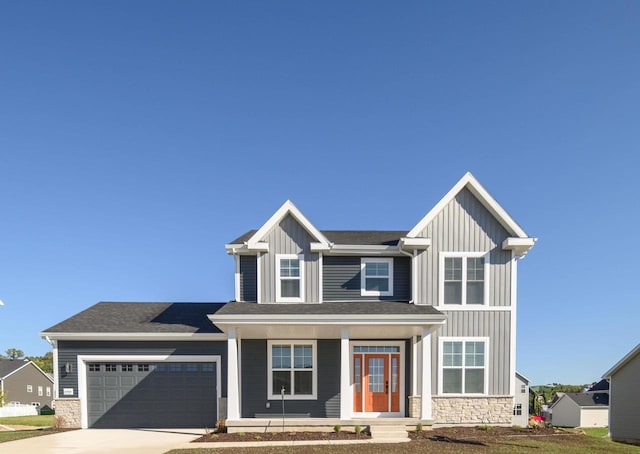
(328,308)
(109,317)
(590,399)
(362,237)
(10,365)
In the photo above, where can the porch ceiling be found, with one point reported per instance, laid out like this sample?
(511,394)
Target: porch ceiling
(291,331)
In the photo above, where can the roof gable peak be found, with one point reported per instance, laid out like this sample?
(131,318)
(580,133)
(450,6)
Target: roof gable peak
(287,209)
(470,182)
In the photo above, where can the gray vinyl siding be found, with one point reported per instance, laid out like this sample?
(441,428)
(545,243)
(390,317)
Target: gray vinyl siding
(496,325)
(465,225)
(15,386)
(248,278)
(68,352)
(289,237)
(254,383)
(624,402)
(342,279)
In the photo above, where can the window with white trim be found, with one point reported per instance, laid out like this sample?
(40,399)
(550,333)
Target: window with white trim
(292,367)
(40,391)
(517,410)
(289,277)
(462,278)
(463,366)
(376,276)
(48,391)
(523,389)
(29,388)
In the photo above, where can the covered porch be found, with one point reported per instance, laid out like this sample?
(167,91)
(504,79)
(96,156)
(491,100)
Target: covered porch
(369,353)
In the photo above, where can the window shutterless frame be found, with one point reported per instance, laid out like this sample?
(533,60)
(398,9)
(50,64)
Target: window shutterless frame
(291,369)
(376,276)
(289,278)
(463,269)
(464,365)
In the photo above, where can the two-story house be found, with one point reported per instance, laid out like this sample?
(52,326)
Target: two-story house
(326,326)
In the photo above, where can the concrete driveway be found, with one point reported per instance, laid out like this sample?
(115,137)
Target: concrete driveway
(103,441)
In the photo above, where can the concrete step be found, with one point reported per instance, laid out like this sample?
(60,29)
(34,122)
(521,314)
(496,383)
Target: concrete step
(388,432)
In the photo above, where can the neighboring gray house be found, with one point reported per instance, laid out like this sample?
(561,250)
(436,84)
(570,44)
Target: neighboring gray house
(521,401)
(343,326)
(22,382)
(581,410)
(624,381)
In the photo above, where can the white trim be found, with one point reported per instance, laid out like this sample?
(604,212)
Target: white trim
(259,257)
(314,371)
(329,319)
(414,277)
(56,378)
(300,278)
(426,404)
(364,249)
(319,247)
(519,245)
(82,361)
(287,208)
(470,182)
(346,380)
(239,348)
(513,304)
(26,363)
(136,336)
(415,244)
(486,366)
(414,365)
(236,277)
(233,386)
(463,255)
(363,278)
(628,357)
(320,278)
(401,370)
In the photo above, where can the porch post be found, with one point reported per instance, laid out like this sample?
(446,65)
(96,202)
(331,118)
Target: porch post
(346,397)
(425,401)
(233,406)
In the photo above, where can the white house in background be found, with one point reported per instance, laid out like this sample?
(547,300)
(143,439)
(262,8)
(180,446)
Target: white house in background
(581,410)
(521,401)
(624,381)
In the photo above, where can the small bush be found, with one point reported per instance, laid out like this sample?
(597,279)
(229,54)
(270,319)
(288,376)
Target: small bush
(241,434)
(357,429)
(518,428)
(419,427)
(221,426)
(487,428)
(337,428)
(257,437)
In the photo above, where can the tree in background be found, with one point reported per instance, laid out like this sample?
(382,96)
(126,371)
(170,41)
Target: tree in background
(14,353)
(43,362)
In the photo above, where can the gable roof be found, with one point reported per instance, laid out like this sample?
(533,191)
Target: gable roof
(9,366)
(287,209)
(602,385)
(523,378)
(149,318)
(587,399)
(469,181)
(360,237)
(620,364)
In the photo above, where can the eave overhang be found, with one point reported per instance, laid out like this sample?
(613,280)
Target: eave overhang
(415,244)
(519,246)
(133,336)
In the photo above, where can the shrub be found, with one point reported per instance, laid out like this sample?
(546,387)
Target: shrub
(419,427)
(337,428)
(221,426)
(357,429)
(487,428)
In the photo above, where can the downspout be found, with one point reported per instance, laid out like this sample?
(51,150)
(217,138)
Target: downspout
(413,271)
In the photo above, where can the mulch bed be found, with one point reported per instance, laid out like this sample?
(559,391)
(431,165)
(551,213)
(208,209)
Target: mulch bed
(445,434)
(281,436)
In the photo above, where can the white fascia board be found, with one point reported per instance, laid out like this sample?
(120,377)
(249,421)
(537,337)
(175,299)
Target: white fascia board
(523,377)
(519,246)
(287,208)
(136,336)
(628,357)
(259,246)
(320,247)
(363,249)
(415,243)
(470,182)
(333,319)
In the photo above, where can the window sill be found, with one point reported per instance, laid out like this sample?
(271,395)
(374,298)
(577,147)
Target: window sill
(278,397)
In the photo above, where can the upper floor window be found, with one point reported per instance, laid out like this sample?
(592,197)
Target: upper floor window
(290,278)
(462,277)
(463,366)
(376,277)
(523,389)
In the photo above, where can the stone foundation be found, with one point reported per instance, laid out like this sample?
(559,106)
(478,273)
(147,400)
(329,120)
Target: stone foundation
(67,413)
(473,410)
(414,406)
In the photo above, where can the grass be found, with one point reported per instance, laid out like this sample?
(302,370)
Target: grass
(596,432)
(566,444)
(36,420)
(20,434)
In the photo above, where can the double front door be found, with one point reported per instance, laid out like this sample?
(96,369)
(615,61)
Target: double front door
(376,382)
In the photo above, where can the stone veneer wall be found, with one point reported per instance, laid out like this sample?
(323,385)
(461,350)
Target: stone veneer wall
(414,406)
(473,410)
(67,413)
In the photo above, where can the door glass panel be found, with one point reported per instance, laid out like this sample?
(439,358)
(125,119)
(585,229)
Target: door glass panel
(394,375)
(376,375)
(357,374)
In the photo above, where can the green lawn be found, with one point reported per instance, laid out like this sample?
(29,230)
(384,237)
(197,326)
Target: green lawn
(20,434)
(596,432)
(37,421)
(565,444)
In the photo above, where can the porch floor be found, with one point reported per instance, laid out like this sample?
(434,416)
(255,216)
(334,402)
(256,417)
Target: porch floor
(318,424)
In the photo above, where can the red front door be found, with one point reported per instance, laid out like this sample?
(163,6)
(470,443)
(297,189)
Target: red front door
(376,382)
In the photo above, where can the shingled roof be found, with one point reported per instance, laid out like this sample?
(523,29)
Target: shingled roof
(110,317)
(363,237)
(8,366)
(328,308)
(589,399)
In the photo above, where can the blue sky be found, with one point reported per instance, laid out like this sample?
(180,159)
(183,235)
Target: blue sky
(137,138)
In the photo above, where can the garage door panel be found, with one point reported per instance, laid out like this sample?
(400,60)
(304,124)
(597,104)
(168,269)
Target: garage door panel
(155,395)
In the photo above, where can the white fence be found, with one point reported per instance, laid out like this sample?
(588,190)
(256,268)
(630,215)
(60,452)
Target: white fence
(19,410)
